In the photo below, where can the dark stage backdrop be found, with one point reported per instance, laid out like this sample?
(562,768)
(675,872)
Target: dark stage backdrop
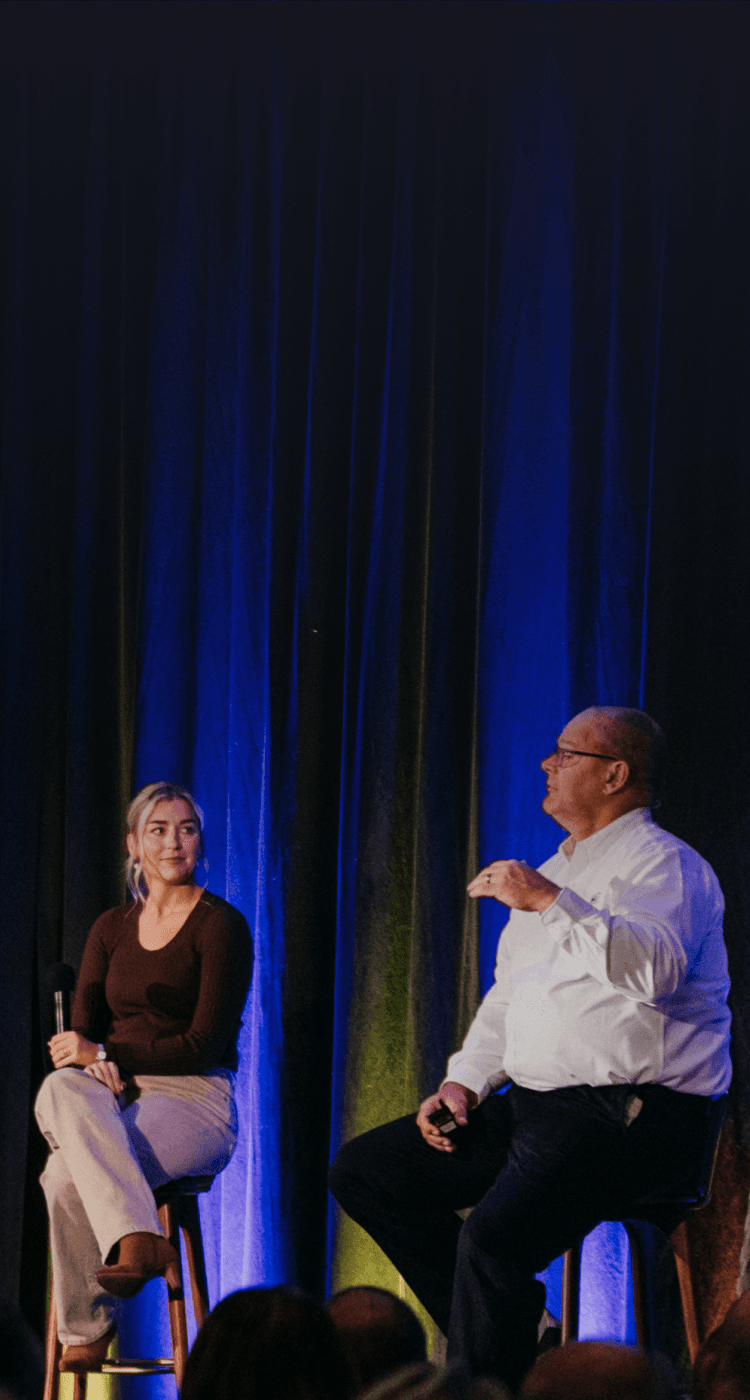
(374,396)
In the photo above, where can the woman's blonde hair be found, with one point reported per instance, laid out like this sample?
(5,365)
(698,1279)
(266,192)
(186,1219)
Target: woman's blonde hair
(136,817)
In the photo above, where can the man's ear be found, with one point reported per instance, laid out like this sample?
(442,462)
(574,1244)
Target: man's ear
(619,776)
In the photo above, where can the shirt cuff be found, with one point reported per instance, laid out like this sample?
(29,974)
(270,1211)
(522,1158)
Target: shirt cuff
(566,909)
(472,1078)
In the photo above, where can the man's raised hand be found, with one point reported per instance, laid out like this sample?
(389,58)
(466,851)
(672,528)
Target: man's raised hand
(516,884)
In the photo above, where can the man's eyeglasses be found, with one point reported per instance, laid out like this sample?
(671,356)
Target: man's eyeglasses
(561,756)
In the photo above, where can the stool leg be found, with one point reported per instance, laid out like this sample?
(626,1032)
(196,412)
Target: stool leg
(177,1321)
(571,1288)
(638,1274)
(681,1247)
(52,1350)
(190,1223)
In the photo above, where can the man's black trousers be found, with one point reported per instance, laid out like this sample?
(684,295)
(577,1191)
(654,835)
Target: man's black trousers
(541,1170)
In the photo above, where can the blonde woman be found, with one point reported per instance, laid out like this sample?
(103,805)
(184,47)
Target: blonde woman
(143,1088)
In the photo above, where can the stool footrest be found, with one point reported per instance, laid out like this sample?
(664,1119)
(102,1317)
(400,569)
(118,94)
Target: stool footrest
(159,1365)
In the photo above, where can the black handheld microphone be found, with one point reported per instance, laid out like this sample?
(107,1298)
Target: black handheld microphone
(63,981)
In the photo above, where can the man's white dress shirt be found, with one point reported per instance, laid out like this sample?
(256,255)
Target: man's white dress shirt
(622,980)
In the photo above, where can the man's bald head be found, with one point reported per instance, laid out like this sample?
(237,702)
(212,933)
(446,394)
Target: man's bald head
(607,762)
(635,737)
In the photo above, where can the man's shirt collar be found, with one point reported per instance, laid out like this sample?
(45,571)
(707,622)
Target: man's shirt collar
(593,847)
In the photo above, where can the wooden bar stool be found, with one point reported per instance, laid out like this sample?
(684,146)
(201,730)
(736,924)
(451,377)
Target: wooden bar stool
(177,1208)
(669,1214)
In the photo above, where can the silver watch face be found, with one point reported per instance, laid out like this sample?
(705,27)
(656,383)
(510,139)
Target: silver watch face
(101,1053)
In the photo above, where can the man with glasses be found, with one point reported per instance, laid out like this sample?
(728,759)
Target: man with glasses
(607,1033)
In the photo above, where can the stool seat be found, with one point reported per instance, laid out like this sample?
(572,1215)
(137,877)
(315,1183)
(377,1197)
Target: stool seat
(182,1186)
(177,1209)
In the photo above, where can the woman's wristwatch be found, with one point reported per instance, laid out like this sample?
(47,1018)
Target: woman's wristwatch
(101,1053)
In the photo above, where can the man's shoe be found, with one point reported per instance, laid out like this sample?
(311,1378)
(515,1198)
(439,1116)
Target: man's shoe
(88,1355)
(143,1256)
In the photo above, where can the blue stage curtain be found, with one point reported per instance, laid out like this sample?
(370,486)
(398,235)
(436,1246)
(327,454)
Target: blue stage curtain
(374,397)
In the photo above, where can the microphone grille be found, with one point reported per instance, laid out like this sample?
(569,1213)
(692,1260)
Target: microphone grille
(62,978)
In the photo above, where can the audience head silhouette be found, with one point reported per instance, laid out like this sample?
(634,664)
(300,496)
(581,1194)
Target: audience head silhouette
(722,1366)
(263,1342)
(599,1371)
(21,1358)
(378,1331)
